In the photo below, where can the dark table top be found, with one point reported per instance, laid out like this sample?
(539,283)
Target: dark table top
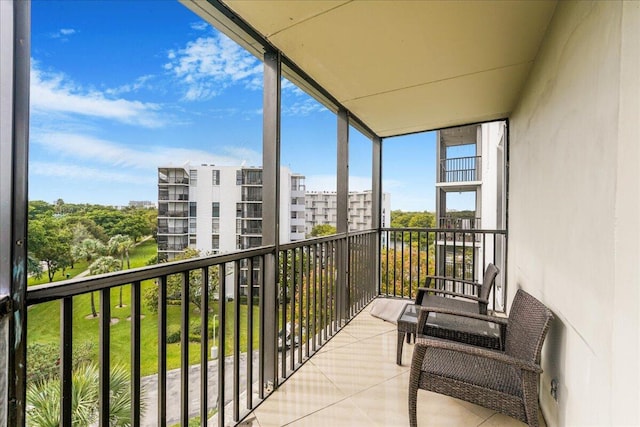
(451,322)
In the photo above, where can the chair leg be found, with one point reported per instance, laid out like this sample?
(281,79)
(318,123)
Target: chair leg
(414,379)
(530,397)
(399,348)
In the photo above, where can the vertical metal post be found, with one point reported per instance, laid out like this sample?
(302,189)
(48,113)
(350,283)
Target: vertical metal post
(66,359)
(270,208)
(222,339)
(236,341)
(204,347)
(104,357)
(162,351)
(376,206)
(184,350)
(136,398)
(250,334)
(14,135)
(342,214)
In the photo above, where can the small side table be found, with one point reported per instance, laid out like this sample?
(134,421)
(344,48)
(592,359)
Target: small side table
(407,325)
(447,326)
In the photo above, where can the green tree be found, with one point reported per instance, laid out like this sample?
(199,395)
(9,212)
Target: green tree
(422,220)
(174,284)
(43,398)
(38,208)
(135,224)
(50,242)
(106,217)
(322,230)
(120,245)
(102,265)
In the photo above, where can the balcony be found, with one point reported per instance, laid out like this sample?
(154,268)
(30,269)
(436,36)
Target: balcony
(307,299)
(173,230)
(534,68)
(173,197)
(460,170)
(173,214)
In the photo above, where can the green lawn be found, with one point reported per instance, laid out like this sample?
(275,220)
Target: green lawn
(43,323)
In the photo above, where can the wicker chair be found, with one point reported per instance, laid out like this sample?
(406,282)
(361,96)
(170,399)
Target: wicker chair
(476,301)
(506,381)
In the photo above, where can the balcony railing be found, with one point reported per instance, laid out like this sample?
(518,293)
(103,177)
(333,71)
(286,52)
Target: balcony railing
(408,255)
(184,181)
(460,223)
(171,247)
(173,214)
(461,169)
(170,197)
(173,230)
(319,285)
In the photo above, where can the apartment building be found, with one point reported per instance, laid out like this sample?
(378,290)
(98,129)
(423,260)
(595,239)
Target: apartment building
(321,208)
(218,209)
(471,163)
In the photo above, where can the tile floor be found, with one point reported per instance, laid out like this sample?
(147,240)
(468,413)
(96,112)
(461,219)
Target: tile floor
(354,381)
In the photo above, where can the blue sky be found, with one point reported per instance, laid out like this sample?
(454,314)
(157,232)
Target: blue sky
(120,88)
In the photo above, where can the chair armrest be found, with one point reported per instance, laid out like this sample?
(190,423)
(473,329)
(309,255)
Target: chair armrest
(493,319)
(422,291)
(478,352)
(452,279)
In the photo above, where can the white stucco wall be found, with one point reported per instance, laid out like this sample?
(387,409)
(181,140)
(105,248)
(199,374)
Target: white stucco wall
(574,209)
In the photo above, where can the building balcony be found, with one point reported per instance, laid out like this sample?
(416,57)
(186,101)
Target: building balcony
(173,197)
(174,181)
(298,222)
(173,214)
(325,325)
(460,170)
(173,230)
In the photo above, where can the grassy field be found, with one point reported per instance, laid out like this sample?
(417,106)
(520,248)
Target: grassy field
(43,322)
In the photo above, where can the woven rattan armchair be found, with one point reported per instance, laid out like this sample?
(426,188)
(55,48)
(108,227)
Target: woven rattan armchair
(504,381)
(474,301)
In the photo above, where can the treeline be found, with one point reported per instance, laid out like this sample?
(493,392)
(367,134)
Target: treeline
(60,234)
(401,219)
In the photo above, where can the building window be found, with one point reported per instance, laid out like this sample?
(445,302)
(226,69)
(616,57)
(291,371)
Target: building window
(192,226)
(215,209)
(215,177)
(215,242)
(192,209)
(238,177)
(215,225)
(193,175)
(192,240)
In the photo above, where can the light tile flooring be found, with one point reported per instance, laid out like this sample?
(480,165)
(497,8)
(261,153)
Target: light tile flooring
(354,381)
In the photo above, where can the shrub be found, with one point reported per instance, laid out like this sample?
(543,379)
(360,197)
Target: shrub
(173,334)
(43,360)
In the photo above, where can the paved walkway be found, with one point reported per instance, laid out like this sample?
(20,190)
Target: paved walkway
(150,385)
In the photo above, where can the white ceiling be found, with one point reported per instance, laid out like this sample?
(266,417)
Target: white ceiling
(404,66)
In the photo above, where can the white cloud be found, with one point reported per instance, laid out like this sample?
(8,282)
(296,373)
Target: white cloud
(139,83)
(199,26)
(84,173)
(62,34)
(55,93)
(303,108)
(86,149)
(208,65)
